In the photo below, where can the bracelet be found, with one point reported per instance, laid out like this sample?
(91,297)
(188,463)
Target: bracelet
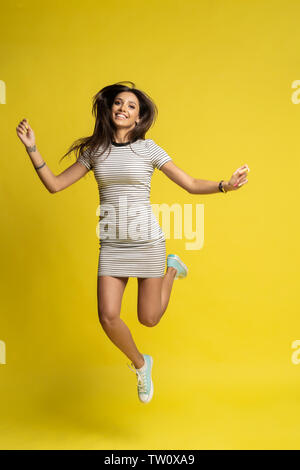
(221,187)
(38,167)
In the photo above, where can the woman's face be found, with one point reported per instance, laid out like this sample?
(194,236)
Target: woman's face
(126,104)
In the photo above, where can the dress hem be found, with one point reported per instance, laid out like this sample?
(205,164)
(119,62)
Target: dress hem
(129,275)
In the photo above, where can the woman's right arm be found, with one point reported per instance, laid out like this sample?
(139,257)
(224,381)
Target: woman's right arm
(53,183)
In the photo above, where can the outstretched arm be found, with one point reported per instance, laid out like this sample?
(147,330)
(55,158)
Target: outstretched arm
(199,186)
(53,183)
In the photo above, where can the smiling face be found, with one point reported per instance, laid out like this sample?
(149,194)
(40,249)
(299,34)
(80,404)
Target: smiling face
(125,110)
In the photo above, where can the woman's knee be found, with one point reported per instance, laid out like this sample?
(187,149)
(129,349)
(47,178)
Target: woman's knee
(108,316)
(150,319)
(149,322)
(110,293)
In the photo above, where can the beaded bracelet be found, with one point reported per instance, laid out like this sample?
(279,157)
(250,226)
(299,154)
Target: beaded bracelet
(38,167)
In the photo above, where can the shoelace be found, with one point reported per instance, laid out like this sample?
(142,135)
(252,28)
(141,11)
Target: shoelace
(142,380)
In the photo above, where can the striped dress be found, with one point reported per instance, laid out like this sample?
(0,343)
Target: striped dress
(131,241)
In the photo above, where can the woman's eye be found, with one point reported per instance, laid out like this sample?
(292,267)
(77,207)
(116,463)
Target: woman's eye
(118,102)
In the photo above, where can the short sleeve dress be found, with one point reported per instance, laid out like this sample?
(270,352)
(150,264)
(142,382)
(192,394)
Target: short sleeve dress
(131,241)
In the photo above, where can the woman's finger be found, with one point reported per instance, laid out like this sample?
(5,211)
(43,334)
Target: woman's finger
(22,129)
(242,180)
(23,124)
(245,166)
(242,168)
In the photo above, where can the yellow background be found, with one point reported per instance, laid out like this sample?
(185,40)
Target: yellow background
(221,74)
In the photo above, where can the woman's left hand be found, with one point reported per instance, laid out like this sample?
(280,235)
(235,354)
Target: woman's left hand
(238,178)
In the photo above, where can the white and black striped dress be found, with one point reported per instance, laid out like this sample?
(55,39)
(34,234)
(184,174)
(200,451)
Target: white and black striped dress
(131,241)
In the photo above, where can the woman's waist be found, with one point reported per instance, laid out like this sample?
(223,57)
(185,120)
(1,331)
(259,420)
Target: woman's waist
(131,243)
(126,209)
(123,201)
(141,227)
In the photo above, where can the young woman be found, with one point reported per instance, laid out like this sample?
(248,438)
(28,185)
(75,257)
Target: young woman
(123,162)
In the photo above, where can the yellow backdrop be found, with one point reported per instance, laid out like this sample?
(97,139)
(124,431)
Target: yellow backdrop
(226,374)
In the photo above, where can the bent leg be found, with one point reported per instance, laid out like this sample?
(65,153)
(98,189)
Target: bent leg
(153,297)
(110,293)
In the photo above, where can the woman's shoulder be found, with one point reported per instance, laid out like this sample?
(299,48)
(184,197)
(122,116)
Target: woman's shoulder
(147,142)
(142,144)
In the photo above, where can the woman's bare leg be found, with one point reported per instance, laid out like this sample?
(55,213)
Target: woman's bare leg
(110,293)
(166,288)
(153,297)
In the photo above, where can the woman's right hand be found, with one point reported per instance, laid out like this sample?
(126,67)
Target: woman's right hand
(25,133)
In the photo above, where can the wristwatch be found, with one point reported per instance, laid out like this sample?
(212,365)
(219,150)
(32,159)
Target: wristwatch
(221,186)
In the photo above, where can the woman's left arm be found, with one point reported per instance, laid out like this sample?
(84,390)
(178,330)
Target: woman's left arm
(199,186)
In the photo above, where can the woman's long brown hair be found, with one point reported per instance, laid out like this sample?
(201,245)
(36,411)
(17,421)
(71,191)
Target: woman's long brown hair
(104,126)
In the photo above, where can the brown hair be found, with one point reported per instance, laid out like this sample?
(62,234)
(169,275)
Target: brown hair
(104,125)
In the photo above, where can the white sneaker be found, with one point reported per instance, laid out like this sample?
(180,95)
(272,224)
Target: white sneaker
(145,384)
(175,262)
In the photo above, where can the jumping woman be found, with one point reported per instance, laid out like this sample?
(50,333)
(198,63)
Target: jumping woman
(123,162)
